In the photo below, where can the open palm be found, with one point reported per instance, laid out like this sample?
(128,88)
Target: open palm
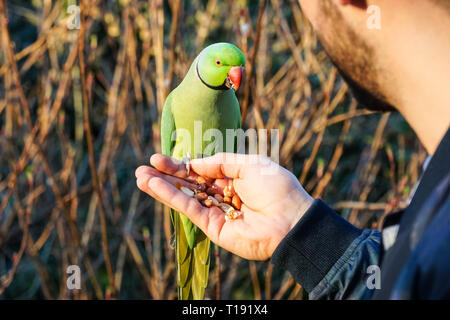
(272,199)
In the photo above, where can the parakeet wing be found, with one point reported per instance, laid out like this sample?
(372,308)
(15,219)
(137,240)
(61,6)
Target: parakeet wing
(167,127)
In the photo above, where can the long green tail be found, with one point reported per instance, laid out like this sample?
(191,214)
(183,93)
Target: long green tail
(192,258)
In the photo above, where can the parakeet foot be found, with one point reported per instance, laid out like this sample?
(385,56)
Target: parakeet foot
(172,241)
(187,162)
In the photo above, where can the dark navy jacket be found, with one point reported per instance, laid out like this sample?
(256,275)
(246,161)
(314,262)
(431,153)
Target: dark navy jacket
(408,259)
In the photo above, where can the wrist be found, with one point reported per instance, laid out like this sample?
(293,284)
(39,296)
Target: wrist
(301,207)
(296,204)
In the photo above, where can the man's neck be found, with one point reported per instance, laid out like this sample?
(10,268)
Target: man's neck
(429,125)
(421,72)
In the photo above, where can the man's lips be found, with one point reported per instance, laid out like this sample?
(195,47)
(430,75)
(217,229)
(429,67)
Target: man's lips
(234,78)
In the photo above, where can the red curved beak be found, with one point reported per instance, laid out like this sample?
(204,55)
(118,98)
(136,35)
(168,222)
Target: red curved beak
(235,76)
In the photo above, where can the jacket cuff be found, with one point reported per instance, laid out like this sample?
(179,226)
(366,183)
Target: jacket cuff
(314,245)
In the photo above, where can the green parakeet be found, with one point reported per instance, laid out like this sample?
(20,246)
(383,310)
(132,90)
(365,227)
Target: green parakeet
(206,97)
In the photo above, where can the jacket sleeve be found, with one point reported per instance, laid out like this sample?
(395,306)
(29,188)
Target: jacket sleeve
(328,256)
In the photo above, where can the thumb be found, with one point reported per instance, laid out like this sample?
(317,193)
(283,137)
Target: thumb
(227,165)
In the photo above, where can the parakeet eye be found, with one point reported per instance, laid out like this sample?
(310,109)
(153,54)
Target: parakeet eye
(218,62)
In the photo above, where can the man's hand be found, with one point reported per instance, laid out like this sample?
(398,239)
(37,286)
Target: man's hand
(273,200)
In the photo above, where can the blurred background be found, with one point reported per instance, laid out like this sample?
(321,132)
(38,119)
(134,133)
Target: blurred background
(82,86)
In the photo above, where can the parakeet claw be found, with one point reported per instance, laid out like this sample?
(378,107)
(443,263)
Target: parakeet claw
(172,241)
(187,162)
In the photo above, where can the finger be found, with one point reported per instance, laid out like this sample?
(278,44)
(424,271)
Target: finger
(170,166)
(142,180)
(221,165)
(146,170)
(221,184)
(209,220)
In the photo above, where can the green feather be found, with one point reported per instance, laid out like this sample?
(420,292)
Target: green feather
(192,101)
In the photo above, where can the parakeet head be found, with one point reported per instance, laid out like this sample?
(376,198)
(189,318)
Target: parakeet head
(220,66)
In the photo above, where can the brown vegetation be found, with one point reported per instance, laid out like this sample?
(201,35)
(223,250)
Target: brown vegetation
(80,110)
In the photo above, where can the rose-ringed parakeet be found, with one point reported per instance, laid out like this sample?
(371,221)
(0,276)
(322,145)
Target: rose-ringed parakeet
(205,96)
